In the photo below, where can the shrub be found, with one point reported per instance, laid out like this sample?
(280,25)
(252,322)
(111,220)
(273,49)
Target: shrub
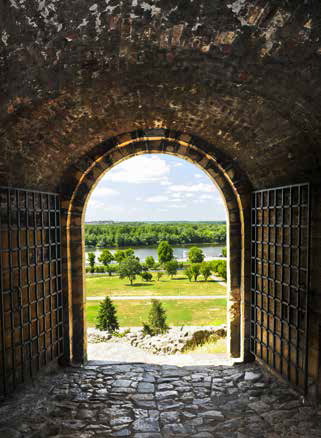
(100,269)
(196,270)
(156,319)
(224,252)
(195,255)
(150,262)
(107,316)
(146,276)
(91,260)
(171,267)
(188,272)
(159,275)
(205,270)
(147,330)
(219,267)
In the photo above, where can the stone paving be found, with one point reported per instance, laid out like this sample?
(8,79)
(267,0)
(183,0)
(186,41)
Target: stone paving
(154,401)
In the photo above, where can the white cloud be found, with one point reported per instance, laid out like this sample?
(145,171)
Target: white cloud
(157,198)
(166,182)
(140,169)
(103,192)
(198,175)
(177,164)
(207,197)
(201,187)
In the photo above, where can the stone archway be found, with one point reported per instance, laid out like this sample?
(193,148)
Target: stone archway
(224,174)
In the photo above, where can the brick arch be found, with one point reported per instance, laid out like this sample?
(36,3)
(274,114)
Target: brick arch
(81,181)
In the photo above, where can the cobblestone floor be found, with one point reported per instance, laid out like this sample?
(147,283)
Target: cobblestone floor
(154,401)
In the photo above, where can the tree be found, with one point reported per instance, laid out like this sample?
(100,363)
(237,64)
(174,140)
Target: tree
(121,254)
(224,252)
(171,267)
(205,270)
(195,255)
(91,260)
(157,318)
(106,258)
(159,275)
(189,273)
(129,268)
(150,262)
(146,276)
(107,316)
(164,252)
(195,267)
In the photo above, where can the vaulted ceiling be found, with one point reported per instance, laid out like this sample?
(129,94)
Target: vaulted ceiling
(243,75)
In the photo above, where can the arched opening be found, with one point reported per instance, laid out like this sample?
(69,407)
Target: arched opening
(224,174)
(138,203)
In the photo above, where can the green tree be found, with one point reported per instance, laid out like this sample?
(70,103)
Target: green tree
(91,260)
(150,262)
(107,316)
(195,255)
(129,268)
(157,318)
(205,271)
(171,267)
(121,254)
(188,272)
(219,267)
(159,275)
(164,252)
(224,252)
(146,276)
(195,267)
(106,258)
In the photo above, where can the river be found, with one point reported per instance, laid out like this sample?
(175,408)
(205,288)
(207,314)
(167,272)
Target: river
(211,252)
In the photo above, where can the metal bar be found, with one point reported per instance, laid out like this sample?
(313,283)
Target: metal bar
(277,289)
(306,328)
(3,343)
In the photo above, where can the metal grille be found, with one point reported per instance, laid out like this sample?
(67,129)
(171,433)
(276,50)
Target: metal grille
(31,315)
(280,280)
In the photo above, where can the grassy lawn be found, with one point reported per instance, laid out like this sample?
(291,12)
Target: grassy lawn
(179,312)
(179,285)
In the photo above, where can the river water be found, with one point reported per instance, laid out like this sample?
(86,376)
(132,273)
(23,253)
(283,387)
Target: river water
(211,252)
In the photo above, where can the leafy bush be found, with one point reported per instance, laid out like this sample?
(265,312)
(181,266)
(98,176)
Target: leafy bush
(219,267)
(107,316)
(156,320)
(146,276)
(224,252)
(150,262)
(188,272)
(205,270)
(196,270)
(159,275)
(171,267)
(91,260)
(195,255)
(147,330)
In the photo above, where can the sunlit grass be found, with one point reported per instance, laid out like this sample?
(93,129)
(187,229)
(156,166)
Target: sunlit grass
(179,285)
(179,312)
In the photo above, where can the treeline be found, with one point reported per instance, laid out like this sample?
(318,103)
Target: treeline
(150,234)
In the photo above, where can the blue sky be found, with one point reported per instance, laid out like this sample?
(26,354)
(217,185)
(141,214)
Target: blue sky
(155,187)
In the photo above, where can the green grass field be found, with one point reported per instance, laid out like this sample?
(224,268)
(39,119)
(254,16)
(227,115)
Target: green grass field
(179,285)
(179,312)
